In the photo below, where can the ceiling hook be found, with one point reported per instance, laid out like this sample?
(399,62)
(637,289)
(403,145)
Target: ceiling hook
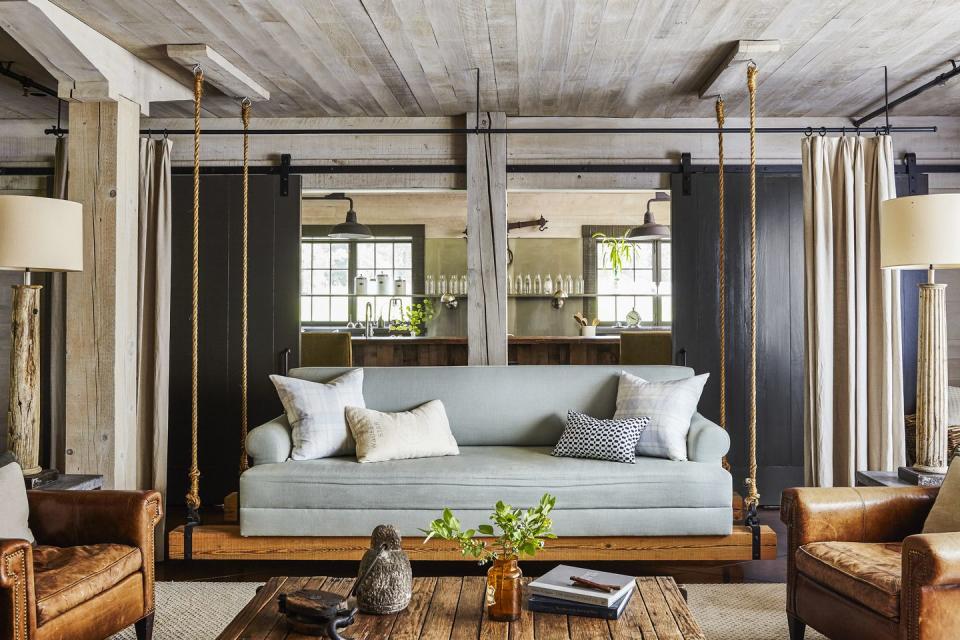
(246,102)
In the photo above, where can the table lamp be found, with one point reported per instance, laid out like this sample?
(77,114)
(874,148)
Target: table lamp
(36,234)
(923,232)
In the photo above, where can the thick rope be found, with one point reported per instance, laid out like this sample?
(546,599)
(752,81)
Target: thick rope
(753,497)
(193,495)
(722,271)
(245,117)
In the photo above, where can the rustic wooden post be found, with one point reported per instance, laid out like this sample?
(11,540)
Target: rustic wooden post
(23,415)
(101,372)
(487,241)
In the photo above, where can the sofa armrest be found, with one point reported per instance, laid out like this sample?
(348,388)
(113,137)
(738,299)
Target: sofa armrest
(930,594)
(18,611)
(706,440)
(854,514)
(270,442)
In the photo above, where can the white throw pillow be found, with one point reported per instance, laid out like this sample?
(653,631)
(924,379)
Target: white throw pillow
(13,496)
(670,405)
(315,411)
(423,432)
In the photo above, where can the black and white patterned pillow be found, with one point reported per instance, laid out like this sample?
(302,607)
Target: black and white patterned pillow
(613,440)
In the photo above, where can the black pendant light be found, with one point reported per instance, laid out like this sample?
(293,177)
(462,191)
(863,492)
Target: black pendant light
(349,229)
(650,229)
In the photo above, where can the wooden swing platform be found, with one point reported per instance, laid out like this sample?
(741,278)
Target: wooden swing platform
(224,542)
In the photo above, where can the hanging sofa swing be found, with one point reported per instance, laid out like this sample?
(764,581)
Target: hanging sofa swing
(747,540)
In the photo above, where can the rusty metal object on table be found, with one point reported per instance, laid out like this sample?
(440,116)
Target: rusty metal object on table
(317,613)
(386,583)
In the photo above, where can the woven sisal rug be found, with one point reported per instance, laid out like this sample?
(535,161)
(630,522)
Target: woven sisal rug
(200,610)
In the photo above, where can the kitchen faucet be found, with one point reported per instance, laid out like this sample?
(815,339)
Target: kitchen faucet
(368,321)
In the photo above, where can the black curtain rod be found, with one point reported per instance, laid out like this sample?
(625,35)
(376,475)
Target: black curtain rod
(910,95)
(528,130)
(511,168)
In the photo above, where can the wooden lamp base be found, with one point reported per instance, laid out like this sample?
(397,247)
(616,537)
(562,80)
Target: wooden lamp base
(23,414)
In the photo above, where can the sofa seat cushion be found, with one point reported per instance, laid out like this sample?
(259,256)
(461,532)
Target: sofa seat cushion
(480,476)
(65,577)
(868,573)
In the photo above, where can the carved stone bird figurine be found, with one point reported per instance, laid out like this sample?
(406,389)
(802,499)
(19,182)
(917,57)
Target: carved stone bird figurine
(389,585)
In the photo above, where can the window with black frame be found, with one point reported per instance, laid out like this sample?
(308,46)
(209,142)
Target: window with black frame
(642,284)
(329,269)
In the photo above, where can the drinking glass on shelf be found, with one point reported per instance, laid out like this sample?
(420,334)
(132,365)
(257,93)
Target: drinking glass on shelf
(428,285)
(463,285)
(442,285)
(528,284)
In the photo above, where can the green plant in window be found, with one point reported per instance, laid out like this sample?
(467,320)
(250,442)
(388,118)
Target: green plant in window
(415,317)
(617,251)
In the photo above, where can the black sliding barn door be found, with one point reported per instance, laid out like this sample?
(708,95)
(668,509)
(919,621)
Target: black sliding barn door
(273,315)
(780,315)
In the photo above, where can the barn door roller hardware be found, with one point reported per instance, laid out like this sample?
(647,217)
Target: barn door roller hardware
(910,95)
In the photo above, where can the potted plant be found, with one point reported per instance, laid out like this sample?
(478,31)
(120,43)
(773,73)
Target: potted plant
(617,251)
(521,533)
(414,318)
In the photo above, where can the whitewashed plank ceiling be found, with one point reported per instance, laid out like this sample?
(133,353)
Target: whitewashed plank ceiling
(628,58)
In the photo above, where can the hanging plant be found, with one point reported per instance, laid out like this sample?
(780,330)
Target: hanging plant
(617,252)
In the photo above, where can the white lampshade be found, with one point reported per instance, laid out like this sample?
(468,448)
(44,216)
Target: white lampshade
(40,234)
(919,231)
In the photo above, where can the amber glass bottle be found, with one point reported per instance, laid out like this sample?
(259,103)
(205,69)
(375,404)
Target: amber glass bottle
(504,591)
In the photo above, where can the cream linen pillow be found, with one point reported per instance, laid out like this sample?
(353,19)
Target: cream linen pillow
(670,405)
(423,432)
(15,513)
(944,517)
(315,412)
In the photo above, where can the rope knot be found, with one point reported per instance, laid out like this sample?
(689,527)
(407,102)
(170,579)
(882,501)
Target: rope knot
(721,118)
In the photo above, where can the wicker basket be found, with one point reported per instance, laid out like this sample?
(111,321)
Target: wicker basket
(910,431)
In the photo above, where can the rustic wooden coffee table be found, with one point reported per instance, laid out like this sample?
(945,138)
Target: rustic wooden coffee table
(451,609)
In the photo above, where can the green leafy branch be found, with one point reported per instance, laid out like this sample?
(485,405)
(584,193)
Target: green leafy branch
(414,317)
(522,532)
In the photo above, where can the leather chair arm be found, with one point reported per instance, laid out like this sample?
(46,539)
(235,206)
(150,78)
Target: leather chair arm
(71,518)
(932,559)
(854,514)
(17,601)
(930,596)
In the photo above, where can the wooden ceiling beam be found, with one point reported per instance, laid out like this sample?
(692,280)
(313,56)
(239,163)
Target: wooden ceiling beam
(88,66)
(730,76)
(218,71)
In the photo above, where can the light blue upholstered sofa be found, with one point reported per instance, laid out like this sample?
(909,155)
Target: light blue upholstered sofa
(506,421)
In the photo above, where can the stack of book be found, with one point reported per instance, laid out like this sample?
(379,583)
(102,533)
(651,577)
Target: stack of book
(581,592)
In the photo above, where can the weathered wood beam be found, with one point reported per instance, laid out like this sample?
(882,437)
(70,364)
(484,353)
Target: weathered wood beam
(218,71)
(101,372)
(487,241)
(88,66)
(730,76)
(224,542)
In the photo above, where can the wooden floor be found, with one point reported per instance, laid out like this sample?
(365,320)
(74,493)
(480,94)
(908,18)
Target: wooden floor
(736,571)
(453,608)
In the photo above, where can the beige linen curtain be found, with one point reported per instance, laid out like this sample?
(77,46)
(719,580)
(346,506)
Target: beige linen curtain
(853,400)
(153,318)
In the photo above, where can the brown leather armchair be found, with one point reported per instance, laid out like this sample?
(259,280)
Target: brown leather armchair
(90,574)
(859,569)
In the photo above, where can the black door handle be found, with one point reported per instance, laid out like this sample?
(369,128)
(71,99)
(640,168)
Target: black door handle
(682,357)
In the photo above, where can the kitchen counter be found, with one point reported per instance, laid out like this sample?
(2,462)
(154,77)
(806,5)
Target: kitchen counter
(396,351)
